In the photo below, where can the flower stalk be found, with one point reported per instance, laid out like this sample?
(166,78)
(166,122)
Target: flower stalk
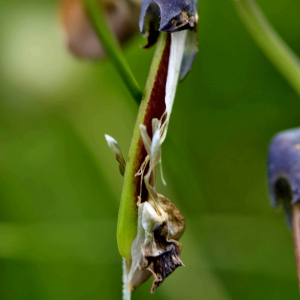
(112,48)
(283,162)
(266,37)
(296,231)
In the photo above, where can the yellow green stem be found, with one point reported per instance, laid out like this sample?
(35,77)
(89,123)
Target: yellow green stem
(111,46)
(270,42)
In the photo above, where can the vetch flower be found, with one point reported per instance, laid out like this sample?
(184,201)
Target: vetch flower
(157,103)
(153,246)
(284,170)
(149,224)
(284,180)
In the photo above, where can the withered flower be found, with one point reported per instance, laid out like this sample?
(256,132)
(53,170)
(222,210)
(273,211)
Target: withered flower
(160,224)
(122,15)
(149,224)
(284,180)
(156,249)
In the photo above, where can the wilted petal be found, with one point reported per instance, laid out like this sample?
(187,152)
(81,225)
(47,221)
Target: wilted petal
(146,139)
(155,125)
(155,248)
(161,259)
(176,223)
(147,220)
(155,155)
(155,149)
(161,250)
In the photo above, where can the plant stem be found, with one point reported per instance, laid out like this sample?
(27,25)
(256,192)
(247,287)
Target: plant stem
(111,46)
(270,42)
(296,231)
(152,106)
(126,288)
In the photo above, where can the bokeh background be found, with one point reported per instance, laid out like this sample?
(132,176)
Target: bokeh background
(60,185)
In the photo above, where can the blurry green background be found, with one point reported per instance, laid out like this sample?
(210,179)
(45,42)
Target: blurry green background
(60,185)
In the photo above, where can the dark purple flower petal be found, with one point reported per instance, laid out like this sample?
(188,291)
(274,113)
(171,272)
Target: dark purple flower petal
(167,15)
(284,169)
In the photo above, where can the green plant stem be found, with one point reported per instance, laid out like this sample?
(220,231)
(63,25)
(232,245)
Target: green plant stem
(128,218)
(111,46)
(270,42)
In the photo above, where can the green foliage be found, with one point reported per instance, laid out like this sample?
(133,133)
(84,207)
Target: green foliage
(60,185)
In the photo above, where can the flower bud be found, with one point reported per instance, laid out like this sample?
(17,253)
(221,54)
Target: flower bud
(284,170)
(114,146)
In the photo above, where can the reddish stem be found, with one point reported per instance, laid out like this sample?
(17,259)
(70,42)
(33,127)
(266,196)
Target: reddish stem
(296,230)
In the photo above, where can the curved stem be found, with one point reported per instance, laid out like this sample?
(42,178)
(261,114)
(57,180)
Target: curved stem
(270,42)
(112,48)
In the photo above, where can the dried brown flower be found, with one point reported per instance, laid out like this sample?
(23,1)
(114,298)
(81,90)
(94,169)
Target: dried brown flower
(160,224)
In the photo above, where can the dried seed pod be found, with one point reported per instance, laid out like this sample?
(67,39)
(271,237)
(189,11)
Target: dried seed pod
(284,170)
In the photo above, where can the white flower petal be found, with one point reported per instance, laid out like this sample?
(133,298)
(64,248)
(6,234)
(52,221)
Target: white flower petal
(155,125)
(114,146)
(145,137)
(176,56)
(155,150)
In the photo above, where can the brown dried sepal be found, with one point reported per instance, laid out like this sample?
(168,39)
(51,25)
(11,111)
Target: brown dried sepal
(162,260)
(161,251)
(155,249)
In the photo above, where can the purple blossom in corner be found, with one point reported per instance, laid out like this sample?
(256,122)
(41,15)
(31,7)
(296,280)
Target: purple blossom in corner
(284,170)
